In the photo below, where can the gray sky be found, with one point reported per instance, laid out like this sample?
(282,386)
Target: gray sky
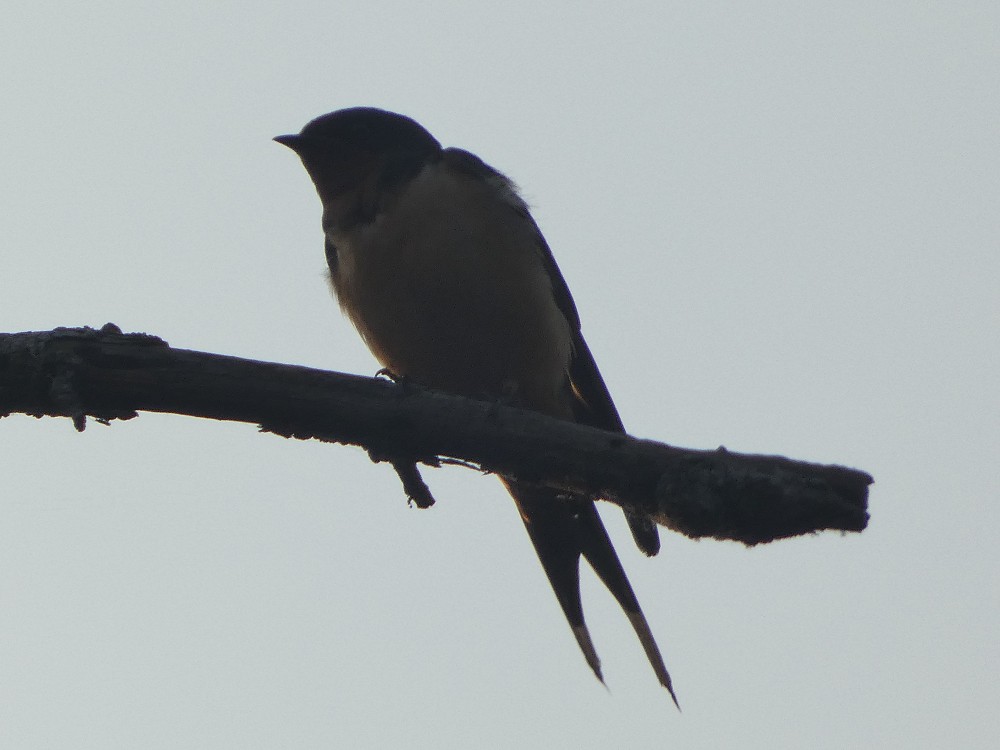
(779,221)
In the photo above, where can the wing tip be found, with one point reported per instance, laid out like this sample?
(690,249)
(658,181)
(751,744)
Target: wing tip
(644,532)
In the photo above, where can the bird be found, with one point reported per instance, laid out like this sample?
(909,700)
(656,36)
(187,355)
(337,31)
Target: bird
(435,258)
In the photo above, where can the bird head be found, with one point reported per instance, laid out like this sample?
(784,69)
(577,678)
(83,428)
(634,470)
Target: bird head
(342,150)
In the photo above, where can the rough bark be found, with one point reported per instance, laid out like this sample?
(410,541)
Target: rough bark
(108,375)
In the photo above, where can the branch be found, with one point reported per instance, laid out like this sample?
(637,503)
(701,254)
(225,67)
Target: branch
(107,375)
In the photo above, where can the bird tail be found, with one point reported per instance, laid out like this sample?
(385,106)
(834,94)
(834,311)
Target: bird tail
(562,529)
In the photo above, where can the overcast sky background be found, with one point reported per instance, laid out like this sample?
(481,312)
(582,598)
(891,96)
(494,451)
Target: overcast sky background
(780,224)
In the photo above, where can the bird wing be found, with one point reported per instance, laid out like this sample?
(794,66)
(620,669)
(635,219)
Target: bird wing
(561,527)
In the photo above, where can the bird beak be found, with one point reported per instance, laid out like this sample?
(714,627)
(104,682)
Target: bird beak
(292,141)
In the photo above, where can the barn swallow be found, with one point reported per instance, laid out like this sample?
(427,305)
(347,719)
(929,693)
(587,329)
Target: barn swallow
(437,261)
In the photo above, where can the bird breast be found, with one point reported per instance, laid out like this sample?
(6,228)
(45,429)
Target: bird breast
(448,287)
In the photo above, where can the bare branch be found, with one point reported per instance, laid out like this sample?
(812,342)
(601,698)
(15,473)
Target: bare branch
(108,375)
